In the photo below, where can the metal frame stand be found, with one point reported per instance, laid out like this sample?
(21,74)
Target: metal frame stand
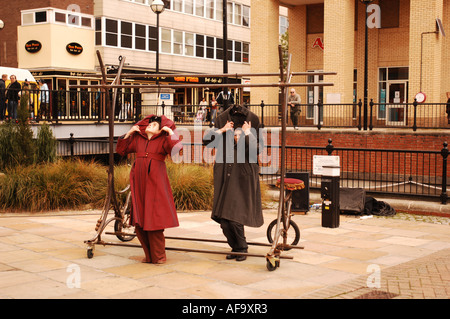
(276,247)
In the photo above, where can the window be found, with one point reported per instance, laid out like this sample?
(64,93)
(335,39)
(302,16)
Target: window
(188,44)
(200,46)
(237,51)
(237,14)
(210,47)
(60,17)
(230,50)
(139,36)
(189,6)
(210,9)
(86,22)
(283,25)
(177,5)
(166,41)
(199,7)
(177,42)
(219,10)
(219,49)
(40,17)
(111,32)
(152,38)
(229,12)
(98,31)
(245,16)
(126,38)
(245,52)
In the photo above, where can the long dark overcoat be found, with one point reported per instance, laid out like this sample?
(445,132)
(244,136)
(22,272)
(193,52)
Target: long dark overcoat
(151,194)
(237,192)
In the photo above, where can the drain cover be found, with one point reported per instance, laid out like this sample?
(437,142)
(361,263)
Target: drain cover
(377,295)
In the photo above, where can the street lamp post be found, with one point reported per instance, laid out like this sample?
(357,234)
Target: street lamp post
(157,7)
(366,2)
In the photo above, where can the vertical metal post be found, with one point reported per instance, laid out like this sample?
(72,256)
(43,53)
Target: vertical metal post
(365,69)
(444,153)
(262,113)
(415,115)
(157,48)
(225,53)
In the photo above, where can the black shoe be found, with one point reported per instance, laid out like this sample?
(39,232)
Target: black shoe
(241,258)
(231,256)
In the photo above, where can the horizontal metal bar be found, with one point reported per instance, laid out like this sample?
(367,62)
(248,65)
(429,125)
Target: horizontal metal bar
(171,86)
(104,243)
(222,75)
(224,241)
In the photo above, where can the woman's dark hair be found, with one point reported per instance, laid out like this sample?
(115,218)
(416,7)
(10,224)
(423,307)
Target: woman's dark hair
(155,119)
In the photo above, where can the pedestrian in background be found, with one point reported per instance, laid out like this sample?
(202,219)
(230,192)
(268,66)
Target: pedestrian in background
(44,100)
(294,101)
(12,95)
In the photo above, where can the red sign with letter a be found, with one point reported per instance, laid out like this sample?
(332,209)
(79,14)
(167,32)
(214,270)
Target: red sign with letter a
(318,43)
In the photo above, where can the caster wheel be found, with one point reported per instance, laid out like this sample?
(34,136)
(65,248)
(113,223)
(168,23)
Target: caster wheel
(90,253)
(294,239)
(271,267)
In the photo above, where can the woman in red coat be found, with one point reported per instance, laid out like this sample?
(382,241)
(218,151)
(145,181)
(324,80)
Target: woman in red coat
(152,139)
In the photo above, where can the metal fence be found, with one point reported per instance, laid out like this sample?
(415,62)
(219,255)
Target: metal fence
(409,173)
(89,105)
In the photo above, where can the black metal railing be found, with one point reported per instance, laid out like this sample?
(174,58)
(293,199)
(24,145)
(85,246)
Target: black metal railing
(90,105)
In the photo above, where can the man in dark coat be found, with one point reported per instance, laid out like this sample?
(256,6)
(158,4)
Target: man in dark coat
(237,192)
(153,209)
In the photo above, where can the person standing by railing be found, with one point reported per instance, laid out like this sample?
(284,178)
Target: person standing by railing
(44,99)
(12,95)
(448,107)
(213,110)
(294,101)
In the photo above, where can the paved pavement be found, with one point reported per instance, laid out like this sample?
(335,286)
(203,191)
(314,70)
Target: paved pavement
(44,256)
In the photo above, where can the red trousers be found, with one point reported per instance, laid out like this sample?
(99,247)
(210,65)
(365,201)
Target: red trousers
(154,245)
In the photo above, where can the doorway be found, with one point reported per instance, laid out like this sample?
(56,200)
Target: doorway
(396,107)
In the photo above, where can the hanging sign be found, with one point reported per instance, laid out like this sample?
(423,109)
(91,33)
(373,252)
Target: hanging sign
(74,48)
(33,46)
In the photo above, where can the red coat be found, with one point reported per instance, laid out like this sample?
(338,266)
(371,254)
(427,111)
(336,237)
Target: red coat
(153,205)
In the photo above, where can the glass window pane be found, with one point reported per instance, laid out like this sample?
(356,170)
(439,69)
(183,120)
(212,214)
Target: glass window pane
(86,22)
(199,7)
(230,12)
(237,14)
(245,16)
(27,18)
(166,47)
(126,28)
(153,45)
(210,9)
(153,32)
(177,5)
(40,16)
(188,6)
(111,39)
(139,43)
(177,48)
(166,35)
(177,37)
(139,30)
(111,26)
(126,41)
(98,24)
(60,17)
